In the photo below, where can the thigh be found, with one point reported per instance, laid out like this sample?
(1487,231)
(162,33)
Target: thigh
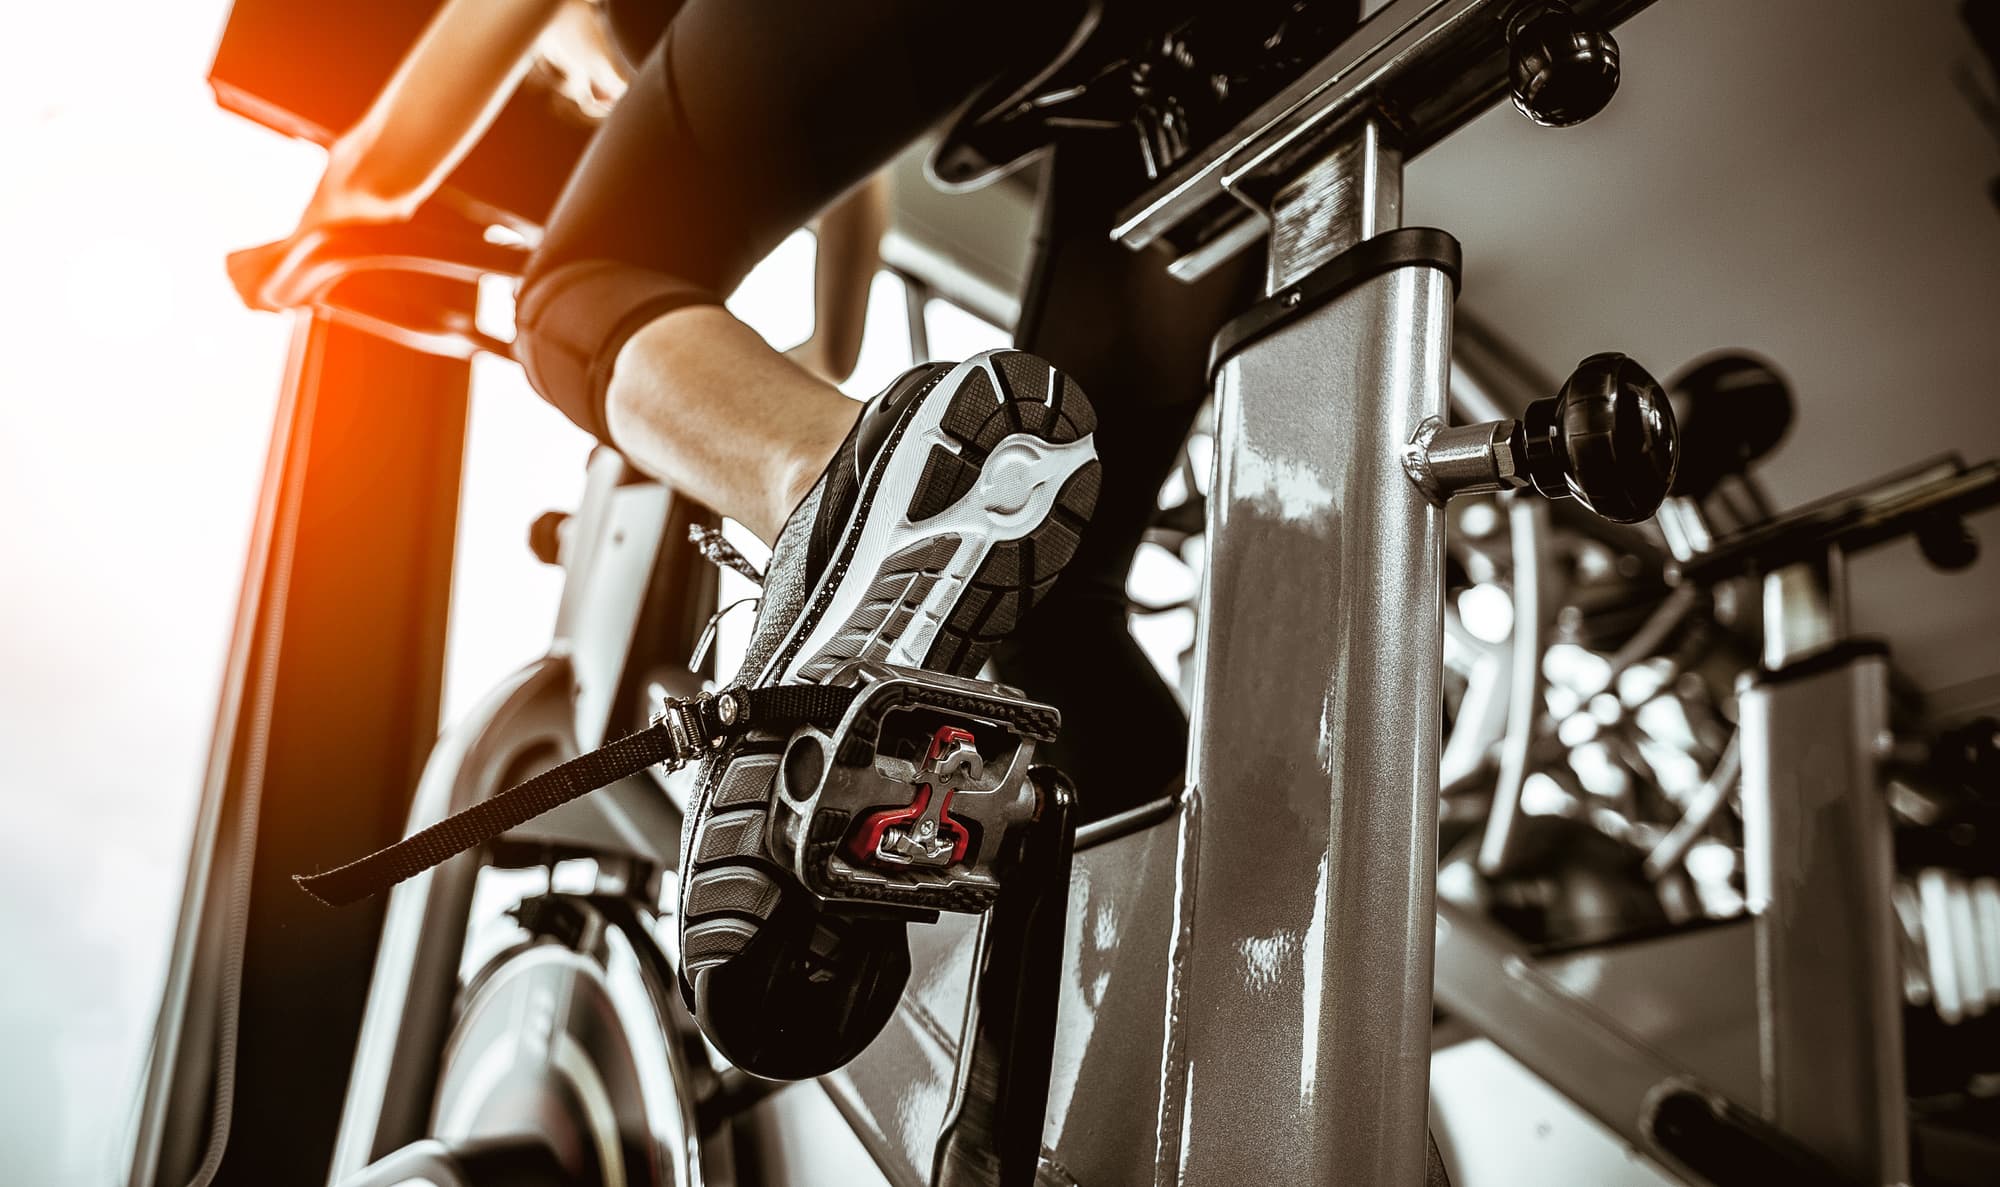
(744,121)
(747,119)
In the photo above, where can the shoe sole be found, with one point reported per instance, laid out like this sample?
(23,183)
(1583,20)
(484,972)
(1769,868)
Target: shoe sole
(966,519)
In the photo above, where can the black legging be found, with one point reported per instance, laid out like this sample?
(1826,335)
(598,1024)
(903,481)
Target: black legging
(744,122)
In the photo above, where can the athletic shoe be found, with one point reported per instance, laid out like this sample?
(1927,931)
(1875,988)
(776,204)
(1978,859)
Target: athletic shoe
(947,512)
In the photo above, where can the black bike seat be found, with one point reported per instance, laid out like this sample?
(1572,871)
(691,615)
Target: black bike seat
(1733,408)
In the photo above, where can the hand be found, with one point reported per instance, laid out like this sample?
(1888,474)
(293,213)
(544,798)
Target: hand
(337,201)
(255,271)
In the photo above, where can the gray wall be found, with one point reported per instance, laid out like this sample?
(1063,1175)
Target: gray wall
(1800,177)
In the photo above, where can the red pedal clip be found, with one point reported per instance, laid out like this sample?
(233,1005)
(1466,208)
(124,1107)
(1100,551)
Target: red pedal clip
(915,835)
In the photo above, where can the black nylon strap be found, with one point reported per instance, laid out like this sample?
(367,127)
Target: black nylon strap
(778,708)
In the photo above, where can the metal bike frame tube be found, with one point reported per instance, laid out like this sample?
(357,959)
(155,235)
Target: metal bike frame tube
(1820,878)
(1435,63)
(1299,1008)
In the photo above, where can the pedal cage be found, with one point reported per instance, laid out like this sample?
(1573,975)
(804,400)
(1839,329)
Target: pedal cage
(917,801)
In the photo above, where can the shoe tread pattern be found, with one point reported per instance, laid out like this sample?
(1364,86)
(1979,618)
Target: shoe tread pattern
(732,884)
(1030,398)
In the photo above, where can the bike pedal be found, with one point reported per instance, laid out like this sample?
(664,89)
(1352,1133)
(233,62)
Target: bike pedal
(917,801)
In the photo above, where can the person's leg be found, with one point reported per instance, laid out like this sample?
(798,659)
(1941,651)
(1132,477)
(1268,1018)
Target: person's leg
(925,533)
(751,453)
(740,126)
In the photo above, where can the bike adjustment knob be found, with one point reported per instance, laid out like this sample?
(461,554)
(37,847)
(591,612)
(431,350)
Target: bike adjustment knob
(1607,439)
(1563,69)
(545,536)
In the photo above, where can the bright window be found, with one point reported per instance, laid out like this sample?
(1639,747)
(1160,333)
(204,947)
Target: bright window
(136,398)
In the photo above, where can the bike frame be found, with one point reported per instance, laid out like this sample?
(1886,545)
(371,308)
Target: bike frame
(1285,1033)
(1246,992)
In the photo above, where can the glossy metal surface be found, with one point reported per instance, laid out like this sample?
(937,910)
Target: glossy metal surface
(1299,1013)
(546,1047)
(1686,528)
(1819,879)
(1436,63)
(1291,892)
(1465,459)
(1528,522)
(615,539)
(1098,1127)
(1329,208)
(1801,617)
(1487,977)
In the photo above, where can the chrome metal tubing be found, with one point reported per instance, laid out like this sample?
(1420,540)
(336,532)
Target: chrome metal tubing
(1328,209)
(1820,877)
(1801,613)
(1315,755)
(1528,520)
(1446,461)
(1434,63)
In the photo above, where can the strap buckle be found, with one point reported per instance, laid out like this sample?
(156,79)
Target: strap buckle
(688,730)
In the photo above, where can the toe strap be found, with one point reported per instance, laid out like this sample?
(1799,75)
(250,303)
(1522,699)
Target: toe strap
(681,732)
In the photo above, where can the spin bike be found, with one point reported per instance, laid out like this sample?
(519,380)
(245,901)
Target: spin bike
(1232,983)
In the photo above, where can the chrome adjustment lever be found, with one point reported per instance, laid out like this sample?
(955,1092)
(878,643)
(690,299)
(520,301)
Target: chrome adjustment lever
(1608,440)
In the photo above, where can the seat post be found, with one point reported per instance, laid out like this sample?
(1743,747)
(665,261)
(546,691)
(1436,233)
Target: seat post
(1820,877)
(1310,849)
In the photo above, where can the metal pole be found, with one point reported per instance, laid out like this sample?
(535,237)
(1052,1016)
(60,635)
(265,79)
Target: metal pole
(1299,1015)
(1820,878)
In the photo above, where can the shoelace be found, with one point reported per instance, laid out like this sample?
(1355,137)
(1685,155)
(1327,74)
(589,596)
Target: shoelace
(713,545)
(685,730)
(721,553)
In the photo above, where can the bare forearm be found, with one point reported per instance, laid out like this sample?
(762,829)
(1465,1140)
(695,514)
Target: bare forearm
(435,107)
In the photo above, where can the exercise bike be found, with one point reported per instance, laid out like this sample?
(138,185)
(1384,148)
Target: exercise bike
(1230,983)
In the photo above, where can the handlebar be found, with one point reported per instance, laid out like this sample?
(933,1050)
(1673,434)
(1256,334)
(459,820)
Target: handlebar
(1912,501)
(394,281)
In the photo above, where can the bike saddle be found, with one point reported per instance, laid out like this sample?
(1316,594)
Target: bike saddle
(1733,408)
(1170,76)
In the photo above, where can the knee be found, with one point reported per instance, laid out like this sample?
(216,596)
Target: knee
(572,318)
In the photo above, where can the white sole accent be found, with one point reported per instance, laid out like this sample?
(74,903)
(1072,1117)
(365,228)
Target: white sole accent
(1017,489)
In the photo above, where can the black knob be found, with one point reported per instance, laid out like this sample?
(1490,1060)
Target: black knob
(1948,543)
(545,536)
(1607,439)
(1733,408)
(1563,69)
